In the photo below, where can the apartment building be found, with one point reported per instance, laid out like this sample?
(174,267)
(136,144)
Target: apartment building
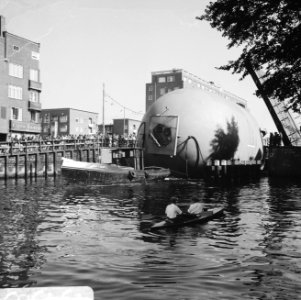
(20,85)
(125,127)
(166,81)
(68,121)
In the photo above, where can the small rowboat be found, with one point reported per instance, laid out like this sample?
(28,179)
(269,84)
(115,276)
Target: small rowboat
(185,220)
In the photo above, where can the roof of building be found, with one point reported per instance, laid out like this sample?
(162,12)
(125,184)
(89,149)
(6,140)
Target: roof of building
(21,38)
(121,119)
(209,84)
(68,108)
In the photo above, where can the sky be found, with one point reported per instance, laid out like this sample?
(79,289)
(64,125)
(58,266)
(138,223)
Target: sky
(90,44)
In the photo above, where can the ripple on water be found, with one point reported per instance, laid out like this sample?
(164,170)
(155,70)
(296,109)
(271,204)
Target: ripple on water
(53,233)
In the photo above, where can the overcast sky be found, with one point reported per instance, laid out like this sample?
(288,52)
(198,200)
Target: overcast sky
(85,43)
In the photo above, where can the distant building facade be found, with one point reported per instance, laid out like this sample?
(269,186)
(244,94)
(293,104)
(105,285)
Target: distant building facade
(125,127)
(68,121)
(108,129)
(166,81)
(20,85)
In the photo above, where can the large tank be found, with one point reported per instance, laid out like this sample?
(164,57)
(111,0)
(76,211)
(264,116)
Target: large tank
(186,128)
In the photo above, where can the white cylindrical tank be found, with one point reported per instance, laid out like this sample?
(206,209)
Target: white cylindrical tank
(184,129)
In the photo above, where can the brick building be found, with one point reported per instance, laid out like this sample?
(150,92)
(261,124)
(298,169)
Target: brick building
(166,81)
(68,121)
(20,85)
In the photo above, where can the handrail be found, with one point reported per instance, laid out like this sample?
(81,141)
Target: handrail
(17,147)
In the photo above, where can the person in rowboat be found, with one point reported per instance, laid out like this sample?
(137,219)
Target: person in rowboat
(172,211)
(196,208)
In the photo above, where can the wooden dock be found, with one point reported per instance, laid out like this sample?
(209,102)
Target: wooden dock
(44,158)
(233,169)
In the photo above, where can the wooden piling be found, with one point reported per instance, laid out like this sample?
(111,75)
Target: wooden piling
(5,167)
(46,165)
(17,167)
(54,163)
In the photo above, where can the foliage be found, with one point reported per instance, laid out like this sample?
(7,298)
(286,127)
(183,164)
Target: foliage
(269,32)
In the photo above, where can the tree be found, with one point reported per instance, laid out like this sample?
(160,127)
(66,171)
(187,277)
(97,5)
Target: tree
(269,32)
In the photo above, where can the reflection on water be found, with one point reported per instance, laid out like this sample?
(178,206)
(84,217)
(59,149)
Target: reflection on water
(58,234)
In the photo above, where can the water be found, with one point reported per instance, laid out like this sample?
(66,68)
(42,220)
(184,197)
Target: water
(54,233)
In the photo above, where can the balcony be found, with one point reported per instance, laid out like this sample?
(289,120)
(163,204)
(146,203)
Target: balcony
(35,85)
(34,106)
(25,126)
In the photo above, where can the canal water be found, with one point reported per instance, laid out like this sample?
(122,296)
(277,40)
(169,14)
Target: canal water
(57,233)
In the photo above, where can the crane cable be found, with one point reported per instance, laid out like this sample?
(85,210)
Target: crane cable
(199,152)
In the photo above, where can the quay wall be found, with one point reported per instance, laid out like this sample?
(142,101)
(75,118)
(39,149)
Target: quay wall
(284,161)
(43,159)
(37,159)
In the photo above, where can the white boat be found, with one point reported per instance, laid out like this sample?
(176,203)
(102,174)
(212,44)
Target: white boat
(109,173)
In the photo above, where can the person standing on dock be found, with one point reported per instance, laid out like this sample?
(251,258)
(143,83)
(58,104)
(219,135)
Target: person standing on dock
(196,207)
(172,211)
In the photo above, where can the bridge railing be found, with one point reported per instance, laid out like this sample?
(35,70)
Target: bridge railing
(17,147)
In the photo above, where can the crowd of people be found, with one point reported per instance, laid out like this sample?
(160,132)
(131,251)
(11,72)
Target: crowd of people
(271,138)
(20,142)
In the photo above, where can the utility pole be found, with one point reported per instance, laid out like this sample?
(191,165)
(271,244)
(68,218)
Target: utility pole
(124,122)
(103,109)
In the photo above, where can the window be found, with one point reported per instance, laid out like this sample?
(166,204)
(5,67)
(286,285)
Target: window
(90,121)
(64,128)
(150,88)
(16,48)
(63,118)
(35,55)
(34,96)
(46,118)
(46,129)
(162,79)
(162,91)
(54,118)
(34,116)
(170,78)
(15,92)
(150,98)
(15,70)
(16,113)
(3,112)
(34,75)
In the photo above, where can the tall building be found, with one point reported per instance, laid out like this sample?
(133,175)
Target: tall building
(68,121)
(20,85)
(166,81)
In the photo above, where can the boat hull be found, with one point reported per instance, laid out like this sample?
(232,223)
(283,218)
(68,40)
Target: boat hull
(206,216)
(109,173)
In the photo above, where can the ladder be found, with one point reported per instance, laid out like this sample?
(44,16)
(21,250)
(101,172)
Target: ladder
(289,121)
